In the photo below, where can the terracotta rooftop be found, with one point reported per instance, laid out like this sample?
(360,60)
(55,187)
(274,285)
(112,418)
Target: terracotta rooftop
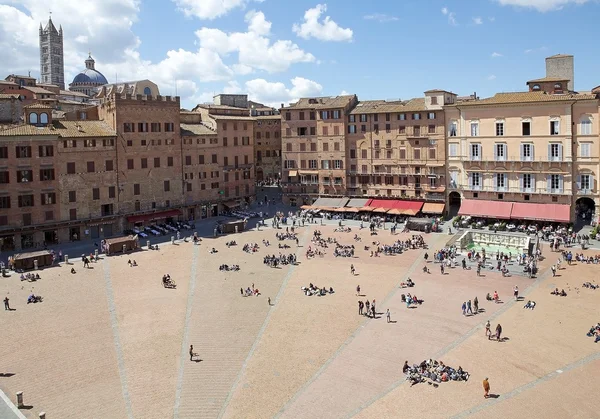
(548,79)
(38,106)
(63,129)
(70,93)
(196,129)
(437,90)
(526,97)
(328,102)
(232,117)
(39,90)
(260,117)
(381,106)
(9,96)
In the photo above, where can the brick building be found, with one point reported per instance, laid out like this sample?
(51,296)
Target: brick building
(267,147)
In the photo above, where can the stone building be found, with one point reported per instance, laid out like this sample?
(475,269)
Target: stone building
(11,108)
(267,147)
(314,148)
(52,66)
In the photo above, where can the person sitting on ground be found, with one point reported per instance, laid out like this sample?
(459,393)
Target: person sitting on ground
(134,263)
(129,262)
(410,283)
(488,297)
(331,290)
(213,250)
(496,297)
(555,292)
(425,269)
(563,293)
(405,367)
(37,276)
(72,270)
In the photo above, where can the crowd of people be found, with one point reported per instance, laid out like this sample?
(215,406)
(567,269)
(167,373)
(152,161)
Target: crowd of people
(250,291)
(343,251)
(433,372)
(225,267)
(367,308)
(314,290)
(31,277)
(274,261)
(595,332)
(250,248)
(595,259)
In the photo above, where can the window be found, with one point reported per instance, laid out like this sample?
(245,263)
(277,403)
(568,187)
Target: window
(585,150)
(452,129)
(325,146)
(432,153)
(535,87)
(431,129)
(46,174)
(434,100)
(527,152)
(338,164)
(214,158)
(3,152)
(289,164)
(474,129)
(128,127)
(136,188)
(155,127)
(301,116)
(111,191)
(169,161)
(33,118)
(499,129)
(557,86)
(26,201)
(401,117)
(188,160)
(109,165)
(95,194)
(417,154)
(313,130)
(111,142)
(72,214)
(23,152)
(476,152)
(352,118)
(325,164)
(555,152)
(4,177)
(351,129)
(26,222)
(500,152)
(92,143)
(157,162)
(324,114)
(24,176)
(288,116)
(416,116)
(48,198)
(235,141)
(475,181)
(585,127)
(376,128)
(430,115)
(130,164)
(501,182)
(44,118)
(167,186)
(46,151)
(555,183)
(169,127)
(312,164)
(453,150)
(144,163)
(4,202)
(388,127)
(527,183)
(585,183)
(526,128)
(554,127)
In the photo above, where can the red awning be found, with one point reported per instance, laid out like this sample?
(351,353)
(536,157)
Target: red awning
(381,203)
(153,216)
(486,209)
(541,212)
(411,207)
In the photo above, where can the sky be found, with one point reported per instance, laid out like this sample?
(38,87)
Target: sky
(279,50)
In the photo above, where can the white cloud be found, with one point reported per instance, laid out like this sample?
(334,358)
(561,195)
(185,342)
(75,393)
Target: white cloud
(492,19)
(254,48)
(232,87)
(276,93)
(530,50)
(496,55)
(491,77)
(344,93)
(325,30)
(478,21)
(541,5)
(451,16)
(209,9)
(381,17)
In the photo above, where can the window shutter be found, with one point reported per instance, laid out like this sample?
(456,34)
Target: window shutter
(549,183)
(533,185)
(495,181)
(557,127)
(578,182)
(560,184)
(550,152)
(592,183)
(560,152)
(495,151)
(470,181)
(532,152)
(505,182)
(521,183)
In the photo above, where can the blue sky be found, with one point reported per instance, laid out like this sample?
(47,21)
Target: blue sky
(379,50)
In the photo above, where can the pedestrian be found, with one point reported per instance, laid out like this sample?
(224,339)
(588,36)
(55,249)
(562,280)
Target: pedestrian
(6,306)
(360,307)
(516,293)
(498,332)
(469,309)
(486,388)
(242,292)
(553,270)
(464,264)
(478,269)
(476,305)
(358,290)
(192,353)
(488,331)
(442,268)
(464,308)
(368,307)
(388,315)
(373,311)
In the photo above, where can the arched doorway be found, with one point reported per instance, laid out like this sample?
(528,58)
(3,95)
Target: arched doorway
(585,211)
(259,175)
(454,201)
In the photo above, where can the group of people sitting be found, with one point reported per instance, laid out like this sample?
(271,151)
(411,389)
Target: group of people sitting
(408,284)
(590,285)
(225,267)
(495,298)
(433,370)
(168,282)
(342,229)
(284,246)
(154,247)
(311,253)
(34,298)
(314,290)
(130,263)
(530,304)
(30,277)
(343,251)
(266,243)
(286,236)
(231,243)
(250,292)
(274,261)
(250,248)
(411,300)
(587,259)
(560,293)
(595,332)
(320,241)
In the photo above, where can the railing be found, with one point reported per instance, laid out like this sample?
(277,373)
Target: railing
(585,191)
(522,159)
(512,189)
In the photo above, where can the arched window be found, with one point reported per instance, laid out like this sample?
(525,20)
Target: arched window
(536,87)
(44,118)
(33,118)
(147,91)
(558,86)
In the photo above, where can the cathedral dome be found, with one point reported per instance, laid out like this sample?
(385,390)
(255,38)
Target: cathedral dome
(90,76)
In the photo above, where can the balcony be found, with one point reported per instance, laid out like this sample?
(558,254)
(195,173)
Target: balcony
(512,189)
(521,159)
(585,191)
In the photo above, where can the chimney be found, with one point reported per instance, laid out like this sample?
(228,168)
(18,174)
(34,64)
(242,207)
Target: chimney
(282,105)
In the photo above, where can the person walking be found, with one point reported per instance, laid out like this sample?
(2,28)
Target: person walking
(6,306)
(464,264)
(269,300)
(464,308)
(488,331)
(553,268)
(373,311)
(478,269)
(192,352)
(486,388)
(388,316)
(516,293)
(360,307)
(442,268)
(498,332)
(358,290)
(352,270)
(469,309)
(368,307)
(242,292)
(475,305)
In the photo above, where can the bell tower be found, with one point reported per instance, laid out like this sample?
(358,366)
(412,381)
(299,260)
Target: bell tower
(52,66)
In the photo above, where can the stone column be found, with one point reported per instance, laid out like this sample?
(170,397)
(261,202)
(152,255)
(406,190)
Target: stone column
(20,403)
